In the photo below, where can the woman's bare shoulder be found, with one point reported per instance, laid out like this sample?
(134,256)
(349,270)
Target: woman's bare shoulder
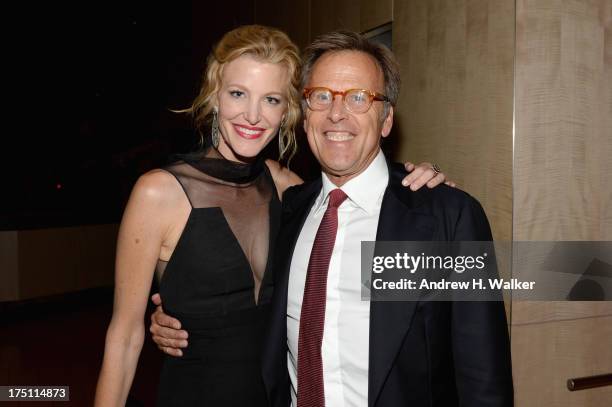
(159,188)
(283,177)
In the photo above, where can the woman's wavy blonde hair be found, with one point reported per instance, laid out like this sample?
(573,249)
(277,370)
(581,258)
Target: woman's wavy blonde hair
(266,44)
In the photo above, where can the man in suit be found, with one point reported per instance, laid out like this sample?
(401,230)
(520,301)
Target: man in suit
(325,345)
(376,353)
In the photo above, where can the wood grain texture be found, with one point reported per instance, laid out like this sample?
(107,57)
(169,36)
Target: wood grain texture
(553,352)
(562,188)
(456,103)
(531,312)
(563,120)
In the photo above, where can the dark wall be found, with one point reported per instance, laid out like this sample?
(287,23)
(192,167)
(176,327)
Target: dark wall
(92,87)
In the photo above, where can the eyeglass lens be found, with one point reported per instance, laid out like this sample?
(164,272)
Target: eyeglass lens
(355,100)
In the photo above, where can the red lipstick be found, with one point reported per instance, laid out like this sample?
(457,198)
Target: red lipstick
(248,132)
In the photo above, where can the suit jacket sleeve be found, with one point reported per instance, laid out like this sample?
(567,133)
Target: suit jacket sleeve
(481,348)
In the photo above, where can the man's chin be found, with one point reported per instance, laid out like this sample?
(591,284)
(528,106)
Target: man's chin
(341,174)
(337,171)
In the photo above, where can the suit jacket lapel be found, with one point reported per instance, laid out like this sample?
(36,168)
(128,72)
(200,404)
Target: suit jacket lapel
(296,206)
(294,216)
(390,321)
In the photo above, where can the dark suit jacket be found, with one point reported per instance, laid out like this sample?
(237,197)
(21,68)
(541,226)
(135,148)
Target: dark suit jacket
(421,353)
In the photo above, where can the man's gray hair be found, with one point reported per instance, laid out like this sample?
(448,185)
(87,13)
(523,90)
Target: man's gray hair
(351,41)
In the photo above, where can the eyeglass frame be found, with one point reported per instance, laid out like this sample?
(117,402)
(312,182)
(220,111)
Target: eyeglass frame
(373,96)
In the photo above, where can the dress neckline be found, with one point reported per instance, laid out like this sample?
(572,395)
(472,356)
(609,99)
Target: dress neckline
(211,162)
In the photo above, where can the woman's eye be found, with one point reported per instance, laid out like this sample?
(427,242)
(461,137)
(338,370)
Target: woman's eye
(272,100)
(236,93)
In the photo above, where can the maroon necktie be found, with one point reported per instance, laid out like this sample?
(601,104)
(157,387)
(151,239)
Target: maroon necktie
(310,364)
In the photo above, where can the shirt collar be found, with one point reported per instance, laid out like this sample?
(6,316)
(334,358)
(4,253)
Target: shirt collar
(365,190)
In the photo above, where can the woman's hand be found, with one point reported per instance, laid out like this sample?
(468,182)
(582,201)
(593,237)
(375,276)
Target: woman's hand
(424,174)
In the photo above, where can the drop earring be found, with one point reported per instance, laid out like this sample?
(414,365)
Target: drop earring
(214,129)
(281,141)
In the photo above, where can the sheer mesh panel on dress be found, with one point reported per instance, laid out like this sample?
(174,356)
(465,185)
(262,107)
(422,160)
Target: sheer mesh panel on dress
(245,203)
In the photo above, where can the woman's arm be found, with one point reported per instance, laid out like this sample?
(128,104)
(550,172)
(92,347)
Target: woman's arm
(143,228)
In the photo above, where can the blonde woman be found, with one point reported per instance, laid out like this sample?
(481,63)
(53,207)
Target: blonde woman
(207,224)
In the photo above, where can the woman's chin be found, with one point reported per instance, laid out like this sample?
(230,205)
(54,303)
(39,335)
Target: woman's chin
(249,150)
(243,150)
(245,155)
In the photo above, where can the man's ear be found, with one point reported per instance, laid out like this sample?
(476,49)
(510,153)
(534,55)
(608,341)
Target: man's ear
(387,123)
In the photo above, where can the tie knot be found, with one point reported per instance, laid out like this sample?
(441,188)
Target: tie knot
(336,197)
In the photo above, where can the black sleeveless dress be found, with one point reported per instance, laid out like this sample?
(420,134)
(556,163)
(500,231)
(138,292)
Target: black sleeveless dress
(219,283)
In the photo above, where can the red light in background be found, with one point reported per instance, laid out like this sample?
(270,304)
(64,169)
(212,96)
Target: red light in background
(58,186)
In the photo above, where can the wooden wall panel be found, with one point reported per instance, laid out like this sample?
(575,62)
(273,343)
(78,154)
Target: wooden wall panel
(456,103)
(303,20)
(562,188)
(536,312)
(550,353)
(563,120)
(456,108)
(375,13)
(330,15)
(293,17)
(57,261)
(9,266)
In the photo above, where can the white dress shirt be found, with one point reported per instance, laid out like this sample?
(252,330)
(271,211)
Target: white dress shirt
(345,348)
